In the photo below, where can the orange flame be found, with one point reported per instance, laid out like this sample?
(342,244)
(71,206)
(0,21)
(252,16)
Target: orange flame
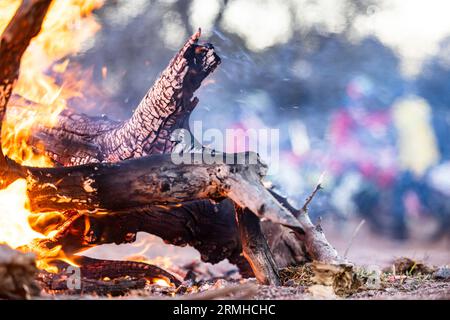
(44,88)
(14,227)
(162,282)
(160,261)
(66,30)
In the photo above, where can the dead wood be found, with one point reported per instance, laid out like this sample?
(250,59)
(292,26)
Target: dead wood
(102,277)
(57,283)
(152,193)
(17,271)
(313,240)
(165,108)
(256,249)
(108,188)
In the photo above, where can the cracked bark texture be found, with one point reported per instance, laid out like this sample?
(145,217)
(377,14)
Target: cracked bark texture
(208,226)
(165,108)
(103,277)
(145,193)
(105,188)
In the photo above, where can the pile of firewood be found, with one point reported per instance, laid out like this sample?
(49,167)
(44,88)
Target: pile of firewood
(120,175)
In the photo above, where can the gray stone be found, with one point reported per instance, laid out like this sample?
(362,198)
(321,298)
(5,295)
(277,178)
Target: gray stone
(443,273)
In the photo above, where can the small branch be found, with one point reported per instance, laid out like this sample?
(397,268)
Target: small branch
(316,244)
(304,209)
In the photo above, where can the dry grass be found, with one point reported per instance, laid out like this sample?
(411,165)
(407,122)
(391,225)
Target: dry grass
(298,275)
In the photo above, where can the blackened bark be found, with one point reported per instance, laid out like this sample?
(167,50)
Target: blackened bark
(165,108)
(108,188)
(151,193)
(255,248)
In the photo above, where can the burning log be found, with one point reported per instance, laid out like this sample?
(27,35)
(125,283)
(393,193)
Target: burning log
(154,181)
(165,108)
(57,284)
(104,277)
(25,25)
(195,223)
(107,188)
(126,181)
(164,201)
(98,269)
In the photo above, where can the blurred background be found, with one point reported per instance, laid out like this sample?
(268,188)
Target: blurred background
(360,91)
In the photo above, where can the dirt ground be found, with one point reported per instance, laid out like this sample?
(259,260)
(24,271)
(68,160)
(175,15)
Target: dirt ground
(366,250)
(429,290)
(370,249)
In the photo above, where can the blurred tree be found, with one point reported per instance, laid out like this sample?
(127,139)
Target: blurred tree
(433,84)
(308,74)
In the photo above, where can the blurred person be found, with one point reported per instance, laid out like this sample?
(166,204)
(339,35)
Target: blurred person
(362,146)
(439,181)
(417,153)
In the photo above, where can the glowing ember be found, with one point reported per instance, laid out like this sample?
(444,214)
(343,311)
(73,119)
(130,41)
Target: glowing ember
(161,261)
(45,86)
(161,282)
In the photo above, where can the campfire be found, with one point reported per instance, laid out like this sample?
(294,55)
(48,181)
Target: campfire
(71,182)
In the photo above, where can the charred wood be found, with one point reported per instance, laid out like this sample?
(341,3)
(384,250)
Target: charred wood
(113,188)
(256,249)
(181,203)
(57,283)
(165,108)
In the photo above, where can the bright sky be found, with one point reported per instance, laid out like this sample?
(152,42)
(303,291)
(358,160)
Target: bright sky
(413,28)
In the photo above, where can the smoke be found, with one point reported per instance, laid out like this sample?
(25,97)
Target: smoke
(306,68)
